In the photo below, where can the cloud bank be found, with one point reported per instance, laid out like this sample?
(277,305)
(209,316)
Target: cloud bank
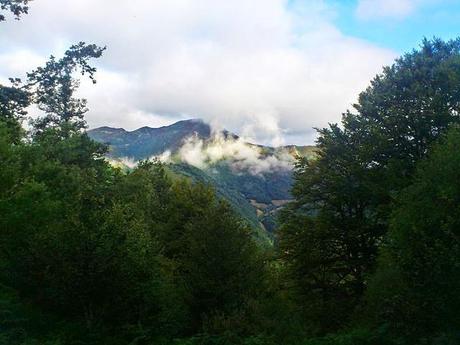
(240,155)
(267,69)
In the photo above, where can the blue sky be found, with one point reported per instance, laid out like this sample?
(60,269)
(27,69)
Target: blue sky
(269,70)
(400,31)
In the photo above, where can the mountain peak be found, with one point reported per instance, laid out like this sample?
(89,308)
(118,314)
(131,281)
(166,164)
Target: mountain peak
(110,129)
(146,141)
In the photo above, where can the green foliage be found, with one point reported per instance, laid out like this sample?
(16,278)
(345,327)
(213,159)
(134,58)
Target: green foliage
(13,101)
(328,249)
(131,254)
(419,270)
(53,88)
(220,266)
(19,321)
(229,188)
(353,337)
(128,250)
(330,235)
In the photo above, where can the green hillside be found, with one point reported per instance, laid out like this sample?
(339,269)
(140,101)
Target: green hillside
(255,195)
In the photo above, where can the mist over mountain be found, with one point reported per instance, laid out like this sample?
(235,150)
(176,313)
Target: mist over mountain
(255,179)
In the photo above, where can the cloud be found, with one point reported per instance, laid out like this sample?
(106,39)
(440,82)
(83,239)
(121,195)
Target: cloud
(268,69)
(123,162)
(165,157)
(370,9)
(17,61)
(236,152)
(130,162)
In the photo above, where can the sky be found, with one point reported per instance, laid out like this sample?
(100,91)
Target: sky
(269,70)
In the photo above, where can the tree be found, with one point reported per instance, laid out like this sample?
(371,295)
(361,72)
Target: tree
(214,252)
(221,268)
(343,199)
(416,287)
(326,239)
(13,102)
(53,88)
(16,7)
(106,267)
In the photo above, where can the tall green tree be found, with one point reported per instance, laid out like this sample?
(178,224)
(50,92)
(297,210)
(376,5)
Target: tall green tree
(415,290)
(221,267)
(216,256)
(330,233)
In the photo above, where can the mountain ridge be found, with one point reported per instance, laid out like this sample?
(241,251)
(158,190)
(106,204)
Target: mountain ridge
(255,179)
(198,125)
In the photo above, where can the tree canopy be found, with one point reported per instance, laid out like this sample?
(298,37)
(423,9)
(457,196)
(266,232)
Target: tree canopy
(418,277)
(330,234)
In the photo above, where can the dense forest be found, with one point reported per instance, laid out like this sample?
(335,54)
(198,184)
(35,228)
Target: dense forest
(367,253)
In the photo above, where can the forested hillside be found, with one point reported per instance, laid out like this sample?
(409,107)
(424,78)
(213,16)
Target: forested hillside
(255,179)
(366,253)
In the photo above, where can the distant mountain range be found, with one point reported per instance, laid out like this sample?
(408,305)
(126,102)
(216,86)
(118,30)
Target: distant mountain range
(255,179)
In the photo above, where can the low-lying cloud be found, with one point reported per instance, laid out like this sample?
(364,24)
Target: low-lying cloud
(204,154)
(240,155)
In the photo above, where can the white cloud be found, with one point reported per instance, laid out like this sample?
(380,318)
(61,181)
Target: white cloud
(123,162)
(239,155)
(262,68)
(236,152)
(16,62)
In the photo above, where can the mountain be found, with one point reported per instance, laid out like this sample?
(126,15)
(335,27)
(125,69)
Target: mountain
(255,179)
(146,141)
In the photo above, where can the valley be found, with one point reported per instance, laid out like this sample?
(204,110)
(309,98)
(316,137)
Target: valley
(254,179)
